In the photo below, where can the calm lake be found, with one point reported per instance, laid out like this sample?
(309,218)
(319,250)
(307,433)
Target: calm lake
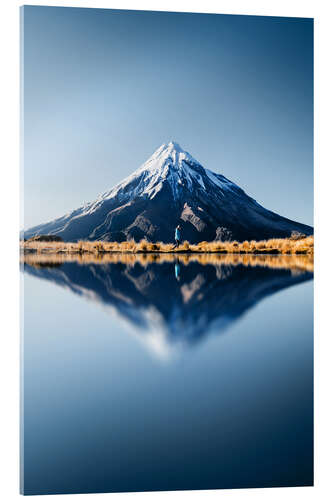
(175,373)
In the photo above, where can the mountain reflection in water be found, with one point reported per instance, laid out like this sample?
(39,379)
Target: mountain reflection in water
(174,302)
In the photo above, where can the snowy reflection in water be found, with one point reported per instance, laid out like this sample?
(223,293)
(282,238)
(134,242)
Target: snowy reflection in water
(187,406)
(173,303)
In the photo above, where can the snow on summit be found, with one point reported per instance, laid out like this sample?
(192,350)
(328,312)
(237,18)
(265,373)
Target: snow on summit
(172,164)
(171,187)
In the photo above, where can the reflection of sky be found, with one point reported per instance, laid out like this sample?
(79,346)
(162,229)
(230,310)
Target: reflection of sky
(102,414)
(104,89)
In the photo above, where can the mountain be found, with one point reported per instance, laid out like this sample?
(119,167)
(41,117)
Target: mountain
(168,308)
(171,187)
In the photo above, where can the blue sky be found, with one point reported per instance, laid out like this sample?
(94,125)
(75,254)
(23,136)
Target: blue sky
(103,89)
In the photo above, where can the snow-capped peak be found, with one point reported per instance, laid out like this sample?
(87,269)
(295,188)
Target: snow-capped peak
(172,164)
(171,180)
(171,153)
(166,162)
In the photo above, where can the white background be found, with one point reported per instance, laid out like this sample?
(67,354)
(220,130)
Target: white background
(9,209)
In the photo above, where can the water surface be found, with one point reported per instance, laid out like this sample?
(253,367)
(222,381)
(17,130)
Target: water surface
(178,373)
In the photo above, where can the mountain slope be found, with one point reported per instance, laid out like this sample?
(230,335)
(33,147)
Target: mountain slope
(171,187)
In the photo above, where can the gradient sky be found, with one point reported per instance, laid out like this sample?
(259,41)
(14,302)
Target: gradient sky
(103,89)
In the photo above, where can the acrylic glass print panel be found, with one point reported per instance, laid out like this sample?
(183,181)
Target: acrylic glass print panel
(166,251)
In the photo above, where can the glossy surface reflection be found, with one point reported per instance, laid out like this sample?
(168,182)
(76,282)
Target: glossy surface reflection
(174,374)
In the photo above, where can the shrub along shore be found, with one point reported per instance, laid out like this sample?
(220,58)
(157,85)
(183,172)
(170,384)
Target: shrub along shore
(272,246)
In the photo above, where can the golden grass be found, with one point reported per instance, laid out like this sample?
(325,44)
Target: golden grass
(271,246)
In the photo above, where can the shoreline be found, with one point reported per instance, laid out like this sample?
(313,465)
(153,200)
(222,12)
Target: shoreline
(274,246)
(296,256)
